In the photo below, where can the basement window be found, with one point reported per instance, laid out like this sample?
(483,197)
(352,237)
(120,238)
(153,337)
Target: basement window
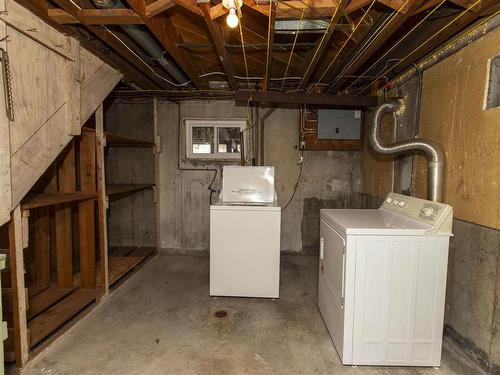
(214,139)
(493,89)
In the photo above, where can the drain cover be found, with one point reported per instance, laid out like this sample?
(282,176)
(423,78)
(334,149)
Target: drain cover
(220,314)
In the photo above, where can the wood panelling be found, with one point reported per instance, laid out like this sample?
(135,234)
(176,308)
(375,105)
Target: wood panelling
(49,104)
(452,114)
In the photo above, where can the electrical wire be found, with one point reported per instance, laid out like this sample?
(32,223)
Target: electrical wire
(296,182)
(428,40)
(293,47)
(148,66)
(345,43)
(242,41)
(321,41)
(396,44)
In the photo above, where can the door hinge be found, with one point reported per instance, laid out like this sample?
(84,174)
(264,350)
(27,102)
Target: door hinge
(7,84)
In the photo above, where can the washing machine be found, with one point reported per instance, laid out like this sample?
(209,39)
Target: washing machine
(245,227)
(382,281)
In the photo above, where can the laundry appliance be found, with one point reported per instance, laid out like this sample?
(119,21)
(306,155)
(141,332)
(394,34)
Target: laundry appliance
(382,281)
(245,234)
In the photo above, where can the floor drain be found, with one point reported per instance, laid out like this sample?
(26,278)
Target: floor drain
(220,314)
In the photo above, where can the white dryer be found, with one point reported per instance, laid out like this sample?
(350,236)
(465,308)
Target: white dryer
(382,281)
(245,226)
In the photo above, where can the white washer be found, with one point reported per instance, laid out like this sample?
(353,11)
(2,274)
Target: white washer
(245,235)
(382,281)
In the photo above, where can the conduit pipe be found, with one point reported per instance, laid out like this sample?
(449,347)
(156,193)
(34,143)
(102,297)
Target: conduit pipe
(142,37)
(432,151)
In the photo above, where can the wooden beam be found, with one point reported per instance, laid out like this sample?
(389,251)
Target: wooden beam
(427,5)
(158,7)
(96,16)
(356,4)
(270,43)
(63,219)
(395,24)
(102,202)
(189,5)
(467,3)
(262,9)
(274,97)
(164,30)
(218,41)
(401,6)
(217,11)
(445,33)
(317,53)
(18,289)
(86,211)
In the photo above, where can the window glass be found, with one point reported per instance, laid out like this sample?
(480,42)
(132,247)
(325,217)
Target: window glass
(228,140)
(203,139)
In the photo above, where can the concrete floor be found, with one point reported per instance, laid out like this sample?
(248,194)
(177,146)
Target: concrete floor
(161,322)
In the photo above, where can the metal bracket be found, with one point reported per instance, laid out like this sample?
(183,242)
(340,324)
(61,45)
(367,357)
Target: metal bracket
(7,84)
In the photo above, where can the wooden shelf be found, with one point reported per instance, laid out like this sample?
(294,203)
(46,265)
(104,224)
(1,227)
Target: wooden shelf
(122,141)
(120,266)
(46,299)
(51,199)
(48,321)
(115,189)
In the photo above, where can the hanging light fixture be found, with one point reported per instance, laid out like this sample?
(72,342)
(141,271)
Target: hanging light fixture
(232,19)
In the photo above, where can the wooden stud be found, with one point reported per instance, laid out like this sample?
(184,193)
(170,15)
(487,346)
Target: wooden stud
(86,213)
(218,40)
(63,220)
(101,200)
(18,289)
(41,245)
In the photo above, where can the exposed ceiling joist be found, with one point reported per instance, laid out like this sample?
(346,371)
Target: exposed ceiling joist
(426,5)
(273,97)
(468,3)
(261,8)
(218,41)
(189,5)
(399,5)
(390,29)
(317,53)
(166,33)
(96,16)
(106,36)
(158,6)
(270,44)
(441,36)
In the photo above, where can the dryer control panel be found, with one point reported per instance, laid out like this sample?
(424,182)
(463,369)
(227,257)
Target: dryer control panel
(437,214)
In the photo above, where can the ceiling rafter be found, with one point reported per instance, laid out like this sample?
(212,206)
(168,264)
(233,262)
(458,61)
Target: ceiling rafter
(316,54)
(158,7)
(390,29)
(96,46)
(218,41)
(114,43)
(164,30)
(270,44)
(95,16)
(454,28)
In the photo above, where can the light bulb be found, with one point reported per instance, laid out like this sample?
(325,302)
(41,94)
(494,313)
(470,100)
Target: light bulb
(232,18)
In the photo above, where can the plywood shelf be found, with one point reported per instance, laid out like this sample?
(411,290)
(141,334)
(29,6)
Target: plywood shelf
(122,141)
(120,266)
(115,189)
(54,317)
(51,199)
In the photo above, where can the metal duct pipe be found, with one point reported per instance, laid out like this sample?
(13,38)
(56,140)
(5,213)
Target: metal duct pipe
(432,151)
(142,37)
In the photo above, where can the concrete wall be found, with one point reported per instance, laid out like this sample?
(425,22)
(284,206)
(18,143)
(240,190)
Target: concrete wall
(328,179)
(132,217)
(452,114)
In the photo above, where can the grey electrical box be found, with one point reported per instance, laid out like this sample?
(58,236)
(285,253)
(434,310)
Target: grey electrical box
(339,124)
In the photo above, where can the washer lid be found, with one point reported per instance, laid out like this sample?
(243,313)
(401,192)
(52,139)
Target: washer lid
(373,222)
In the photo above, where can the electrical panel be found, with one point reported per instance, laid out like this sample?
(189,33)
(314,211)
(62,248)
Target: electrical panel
(339,124)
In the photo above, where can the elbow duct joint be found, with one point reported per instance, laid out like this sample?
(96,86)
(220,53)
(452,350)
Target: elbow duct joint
(431,150)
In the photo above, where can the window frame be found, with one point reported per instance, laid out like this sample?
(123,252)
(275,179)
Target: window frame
(215,123)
